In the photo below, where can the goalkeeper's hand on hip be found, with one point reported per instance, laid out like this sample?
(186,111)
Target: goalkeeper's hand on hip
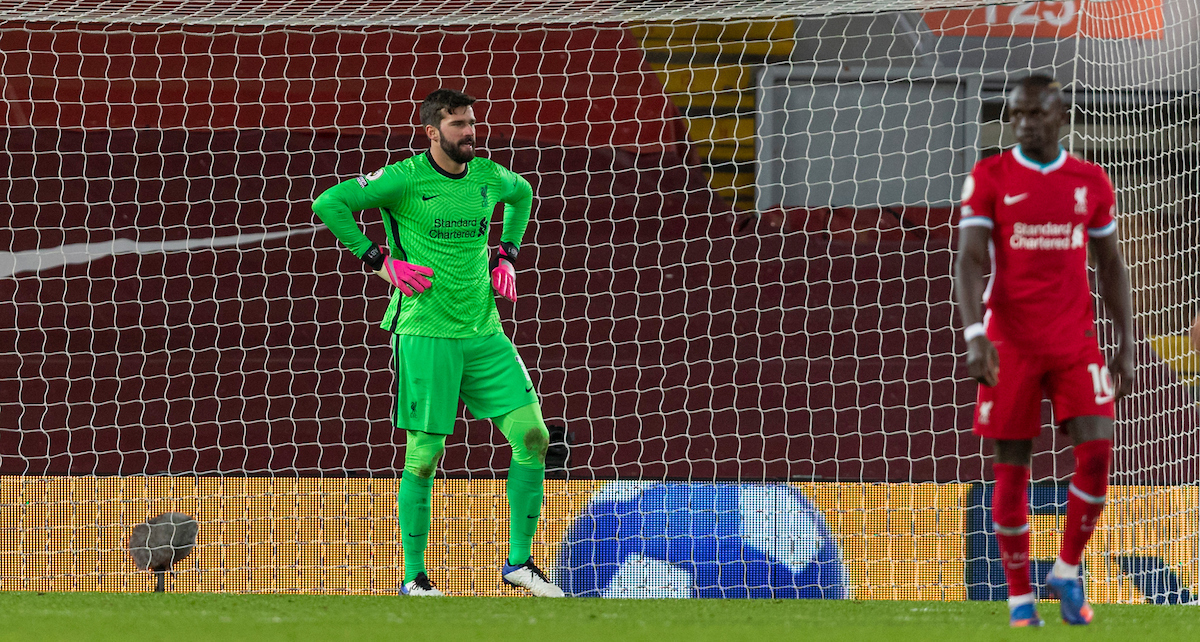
(504,275)
(409,278)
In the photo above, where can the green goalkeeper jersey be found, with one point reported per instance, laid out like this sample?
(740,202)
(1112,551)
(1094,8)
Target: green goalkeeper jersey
(438,220)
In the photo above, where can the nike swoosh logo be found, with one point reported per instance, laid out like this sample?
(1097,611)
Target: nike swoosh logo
(530,388)
(426,198)
(12,263)
(1009,200)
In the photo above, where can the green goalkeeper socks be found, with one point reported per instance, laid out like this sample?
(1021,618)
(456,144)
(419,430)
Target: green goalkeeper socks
(526,432)
(413,502)
(524,506)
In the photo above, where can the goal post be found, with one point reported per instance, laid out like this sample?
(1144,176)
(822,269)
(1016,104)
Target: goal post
(737,306)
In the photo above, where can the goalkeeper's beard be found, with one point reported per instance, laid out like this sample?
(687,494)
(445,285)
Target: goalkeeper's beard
(456,152)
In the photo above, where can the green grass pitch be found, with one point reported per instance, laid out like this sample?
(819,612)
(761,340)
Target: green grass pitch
(261,618)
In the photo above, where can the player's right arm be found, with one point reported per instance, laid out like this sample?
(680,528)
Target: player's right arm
(336,206)
(1195,333)
(972,262)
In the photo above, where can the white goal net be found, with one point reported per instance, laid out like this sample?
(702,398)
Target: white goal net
(736,306)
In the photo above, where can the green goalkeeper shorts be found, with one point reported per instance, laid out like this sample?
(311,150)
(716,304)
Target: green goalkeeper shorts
(432,373)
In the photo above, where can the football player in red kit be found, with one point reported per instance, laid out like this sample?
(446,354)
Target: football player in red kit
(1032,212)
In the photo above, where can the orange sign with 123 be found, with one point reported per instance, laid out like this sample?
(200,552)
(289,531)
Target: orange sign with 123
(1107,19)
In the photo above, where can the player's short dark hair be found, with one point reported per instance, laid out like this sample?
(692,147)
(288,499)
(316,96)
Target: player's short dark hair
(1039,82)
(443,99)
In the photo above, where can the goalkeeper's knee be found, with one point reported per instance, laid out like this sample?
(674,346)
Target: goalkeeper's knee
(422,452)
(527,434)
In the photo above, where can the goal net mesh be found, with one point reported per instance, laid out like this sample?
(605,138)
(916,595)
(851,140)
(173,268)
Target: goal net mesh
(735,294)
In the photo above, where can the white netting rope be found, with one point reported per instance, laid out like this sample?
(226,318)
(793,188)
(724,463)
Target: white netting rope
(437,12)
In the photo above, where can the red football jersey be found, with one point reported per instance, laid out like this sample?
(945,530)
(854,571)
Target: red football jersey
(1041,217)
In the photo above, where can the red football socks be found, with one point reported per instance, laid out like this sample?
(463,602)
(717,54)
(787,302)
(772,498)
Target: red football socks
(1010,520)
(1086,499)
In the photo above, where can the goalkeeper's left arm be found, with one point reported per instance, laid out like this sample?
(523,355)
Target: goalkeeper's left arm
(518,204)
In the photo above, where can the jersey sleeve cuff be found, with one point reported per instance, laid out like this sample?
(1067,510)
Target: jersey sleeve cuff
(1103,231)
(976,221)
(373,257)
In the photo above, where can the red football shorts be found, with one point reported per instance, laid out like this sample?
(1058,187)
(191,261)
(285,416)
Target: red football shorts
(1077,385)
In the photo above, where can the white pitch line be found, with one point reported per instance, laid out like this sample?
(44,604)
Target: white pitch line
(13,263)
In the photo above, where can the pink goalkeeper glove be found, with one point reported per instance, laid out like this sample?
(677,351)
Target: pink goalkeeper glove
(409,278)
(504,277)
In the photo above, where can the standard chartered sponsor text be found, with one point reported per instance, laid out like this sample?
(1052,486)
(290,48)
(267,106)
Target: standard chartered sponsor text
(1045,236)
(459,228)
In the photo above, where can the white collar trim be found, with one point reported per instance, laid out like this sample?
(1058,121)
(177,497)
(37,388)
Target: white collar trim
(1036,166)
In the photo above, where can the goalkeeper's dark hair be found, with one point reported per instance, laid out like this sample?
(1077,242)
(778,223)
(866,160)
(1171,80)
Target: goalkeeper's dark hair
(443,99)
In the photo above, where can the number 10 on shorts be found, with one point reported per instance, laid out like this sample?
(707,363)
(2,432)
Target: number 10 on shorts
(1102,383)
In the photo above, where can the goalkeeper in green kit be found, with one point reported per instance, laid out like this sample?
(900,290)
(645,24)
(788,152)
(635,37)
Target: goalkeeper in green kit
(446,334)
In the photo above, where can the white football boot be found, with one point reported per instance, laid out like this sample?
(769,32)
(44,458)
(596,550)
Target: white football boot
(529,576)
(420,586)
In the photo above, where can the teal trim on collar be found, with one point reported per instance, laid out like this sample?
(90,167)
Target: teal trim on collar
(1039,167)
